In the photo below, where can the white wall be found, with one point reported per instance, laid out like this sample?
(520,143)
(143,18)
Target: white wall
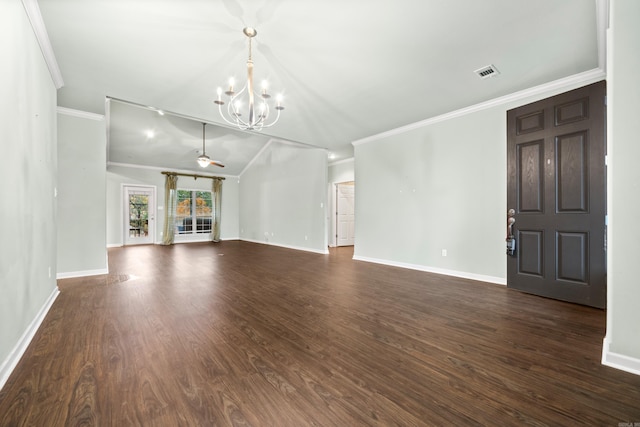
(440,186)
(28,172)
(82,210)
(283,198)
(119,175)
(342,171)
(622,344)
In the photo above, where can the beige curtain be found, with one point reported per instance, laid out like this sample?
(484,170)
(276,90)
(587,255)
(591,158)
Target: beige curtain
(216,196)
(170,201)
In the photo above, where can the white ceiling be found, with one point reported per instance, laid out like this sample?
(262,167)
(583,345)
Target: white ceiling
(349,69)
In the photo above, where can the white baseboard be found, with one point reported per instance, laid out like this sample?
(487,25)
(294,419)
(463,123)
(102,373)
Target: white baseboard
(198,241)
(454,273)
(85,273)
(297,248)
(114,245)
(10,363)
(619,361)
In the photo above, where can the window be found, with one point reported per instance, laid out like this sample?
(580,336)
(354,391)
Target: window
(193,212)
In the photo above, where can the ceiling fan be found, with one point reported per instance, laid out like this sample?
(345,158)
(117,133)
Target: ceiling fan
(204,160)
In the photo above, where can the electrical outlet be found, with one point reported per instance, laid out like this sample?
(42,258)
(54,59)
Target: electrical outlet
(444,252)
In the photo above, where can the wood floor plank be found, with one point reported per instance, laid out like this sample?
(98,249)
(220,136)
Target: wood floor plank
(242,334)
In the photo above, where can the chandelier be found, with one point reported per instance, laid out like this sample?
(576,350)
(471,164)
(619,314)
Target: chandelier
(248,109)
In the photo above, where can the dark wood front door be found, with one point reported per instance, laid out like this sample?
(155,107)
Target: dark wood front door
(556,188)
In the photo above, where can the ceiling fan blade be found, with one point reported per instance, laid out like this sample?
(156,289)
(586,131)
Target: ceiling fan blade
(217,163)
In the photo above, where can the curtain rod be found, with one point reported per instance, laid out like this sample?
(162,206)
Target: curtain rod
(194,176)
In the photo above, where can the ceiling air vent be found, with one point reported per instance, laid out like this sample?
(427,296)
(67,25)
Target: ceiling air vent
(488,71)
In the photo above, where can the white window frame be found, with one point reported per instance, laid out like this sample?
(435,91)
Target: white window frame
(194,236)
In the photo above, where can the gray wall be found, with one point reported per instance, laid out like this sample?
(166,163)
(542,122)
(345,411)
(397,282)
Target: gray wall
(437,187)
(440,186)
(283,198)
(623,305)
(119,175)
(82,210)
(28,174)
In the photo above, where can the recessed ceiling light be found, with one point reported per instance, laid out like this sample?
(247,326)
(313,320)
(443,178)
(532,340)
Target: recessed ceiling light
(150,134)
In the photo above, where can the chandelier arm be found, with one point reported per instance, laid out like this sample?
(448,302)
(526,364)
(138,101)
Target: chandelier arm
(233,118)
(274,120)
(264,113)
(224,117)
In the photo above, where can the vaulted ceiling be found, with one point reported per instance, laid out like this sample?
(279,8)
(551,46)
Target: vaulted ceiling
(348,69)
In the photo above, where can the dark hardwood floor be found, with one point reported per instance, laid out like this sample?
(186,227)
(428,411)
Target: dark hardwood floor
(244,334)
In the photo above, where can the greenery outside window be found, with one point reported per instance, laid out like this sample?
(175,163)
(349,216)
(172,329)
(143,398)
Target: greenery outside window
(193,212)
(138,215)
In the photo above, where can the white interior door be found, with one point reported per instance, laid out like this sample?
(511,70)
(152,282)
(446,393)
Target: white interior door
(139,214)
(345,214)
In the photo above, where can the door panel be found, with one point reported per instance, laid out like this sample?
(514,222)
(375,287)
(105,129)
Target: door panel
(531,247)
(556,186)
(531,179)
(572,172)
(573,249)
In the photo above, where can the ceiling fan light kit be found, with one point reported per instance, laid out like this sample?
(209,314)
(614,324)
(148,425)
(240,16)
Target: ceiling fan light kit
(258,108)
(204,160)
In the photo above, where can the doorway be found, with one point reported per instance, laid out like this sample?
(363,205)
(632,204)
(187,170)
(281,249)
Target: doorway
(345,214)
(556,197)
(139,214)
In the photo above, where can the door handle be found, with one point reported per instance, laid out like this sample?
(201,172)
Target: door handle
(511,240)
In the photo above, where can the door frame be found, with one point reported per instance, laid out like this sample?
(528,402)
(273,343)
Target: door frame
(153,210)
(332,210)
(337,213)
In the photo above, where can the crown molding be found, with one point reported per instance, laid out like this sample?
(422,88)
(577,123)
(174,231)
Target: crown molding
(339,162)
(81,114)
(156,168)
(584,78)
(37,23)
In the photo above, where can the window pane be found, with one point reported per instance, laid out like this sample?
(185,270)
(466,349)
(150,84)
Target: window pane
(203,211)
(184,223)
(193,212)
(138,215)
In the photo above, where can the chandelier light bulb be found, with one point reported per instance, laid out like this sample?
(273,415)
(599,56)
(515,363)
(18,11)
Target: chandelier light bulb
(230,92)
